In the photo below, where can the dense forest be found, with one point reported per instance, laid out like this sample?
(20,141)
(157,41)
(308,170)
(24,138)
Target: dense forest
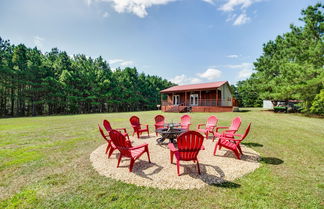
(33,83)
(291,66)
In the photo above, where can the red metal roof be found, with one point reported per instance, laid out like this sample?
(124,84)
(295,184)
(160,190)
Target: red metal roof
(201,86)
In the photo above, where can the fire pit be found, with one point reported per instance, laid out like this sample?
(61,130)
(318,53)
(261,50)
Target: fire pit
(171,132)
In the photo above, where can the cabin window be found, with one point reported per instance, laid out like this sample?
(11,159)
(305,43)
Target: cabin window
(176,99)
(194,99)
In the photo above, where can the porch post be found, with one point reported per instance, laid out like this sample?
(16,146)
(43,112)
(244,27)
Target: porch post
(216,97)
(185,98)
(199,98)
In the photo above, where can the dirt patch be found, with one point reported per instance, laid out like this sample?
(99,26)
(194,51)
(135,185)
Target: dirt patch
(160,173)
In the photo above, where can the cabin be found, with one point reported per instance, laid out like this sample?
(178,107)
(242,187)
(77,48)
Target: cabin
(204,97)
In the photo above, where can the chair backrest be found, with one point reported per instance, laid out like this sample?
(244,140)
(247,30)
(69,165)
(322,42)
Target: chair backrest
(107,125)
(189,145)
(135,122)
(236,123)
(102,133)
(120,142)
(185,120)
(211,122)
(159,120)
(247,130)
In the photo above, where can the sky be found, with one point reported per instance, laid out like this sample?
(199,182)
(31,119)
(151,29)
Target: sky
(184,41)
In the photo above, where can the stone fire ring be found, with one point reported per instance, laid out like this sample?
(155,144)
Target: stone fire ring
(160,173)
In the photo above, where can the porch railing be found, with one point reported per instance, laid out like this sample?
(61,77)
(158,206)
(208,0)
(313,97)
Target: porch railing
(201,102)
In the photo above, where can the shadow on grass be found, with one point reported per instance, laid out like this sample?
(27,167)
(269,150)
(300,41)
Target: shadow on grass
(244,111)
(228,185)
(212,180)
(252,144)
(271,160)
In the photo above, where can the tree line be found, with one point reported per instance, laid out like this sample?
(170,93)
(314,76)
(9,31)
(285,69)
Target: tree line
(291,66)
(35,83)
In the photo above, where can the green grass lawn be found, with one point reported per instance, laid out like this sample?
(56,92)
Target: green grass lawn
(44,162)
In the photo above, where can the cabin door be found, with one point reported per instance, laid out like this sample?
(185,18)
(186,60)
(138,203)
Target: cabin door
(194,99)
(176,99)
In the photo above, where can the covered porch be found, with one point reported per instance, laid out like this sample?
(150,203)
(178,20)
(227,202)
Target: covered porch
(197,101)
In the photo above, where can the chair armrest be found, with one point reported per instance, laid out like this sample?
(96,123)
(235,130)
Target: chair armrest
(139,146)
(230,139)
(122,129)
(201,125)
(221,127)
(172,148)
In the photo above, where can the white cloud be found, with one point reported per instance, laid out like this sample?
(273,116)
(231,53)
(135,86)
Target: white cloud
(210,74)
(127,63)
(114,61)
(137,7)
(232,56)
(241,19)
(240,6)
(245,73)
(209,1)
(246,69)
(38,41)
(121,62)
(183,79)
(88,2)
(231,4)
(105,14)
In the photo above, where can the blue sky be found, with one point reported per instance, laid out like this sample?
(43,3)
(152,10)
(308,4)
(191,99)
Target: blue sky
(185,41)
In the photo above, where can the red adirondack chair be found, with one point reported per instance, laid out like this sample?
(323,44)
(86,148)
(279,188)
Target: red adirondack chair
(135,122)
(110,146)
(159,122)
(209,126)
(185,122)
(109,128)
(235,125)
(189,145)
(126,149)
(232,143)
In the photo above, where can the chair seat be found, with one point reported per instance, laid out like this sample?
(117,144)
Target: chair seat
(227,144)
(137,152)
(202,130)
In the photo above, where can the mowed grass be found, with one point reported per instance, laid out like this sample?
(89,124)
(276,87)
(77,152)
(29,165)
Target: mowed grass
(44,162)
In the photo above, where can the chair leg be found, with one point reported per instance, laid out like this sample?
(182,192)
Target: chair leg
(148,156)
(237,154)
(138,135)
(119,159)
(207,135)
(239,148)
(178,167)
(148,133)
(107,148)
(215,148)
(110,152)
(156,133)
(131,165)
(171,156)
(198,167)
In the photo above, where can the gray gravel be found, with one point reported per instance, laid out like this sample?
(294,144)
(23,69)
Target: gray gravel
(163,175)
